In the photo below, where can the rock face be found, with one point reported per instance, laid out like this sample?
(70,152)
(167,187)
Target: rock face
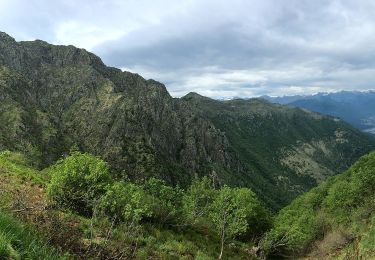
(76,101)
(54,98)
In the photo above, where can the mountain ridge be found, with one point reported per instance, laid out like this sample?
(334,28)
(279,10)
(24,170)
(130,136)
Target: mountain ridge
(58,98)
(355,107)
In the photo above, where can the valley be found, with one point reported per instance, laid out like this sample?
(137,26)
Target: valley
(102,163)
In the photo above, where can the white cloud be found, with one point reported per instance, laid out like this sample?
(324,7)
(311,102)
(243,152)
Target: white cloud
(85,36)
(215,47)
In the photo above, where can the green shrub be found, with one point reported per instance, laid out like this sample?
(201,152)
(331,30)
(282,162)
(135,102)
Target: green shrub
(341,202)
(297,225)
(294,231)
(166,200)
(78,181)
(197,200)
(126,202)
(231,211)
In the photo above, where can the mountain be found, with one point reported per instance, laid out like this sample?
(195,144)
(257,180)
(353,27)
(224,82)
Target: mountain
(54,99)
(357,108)
(335,220)
(286,150)
(284,100)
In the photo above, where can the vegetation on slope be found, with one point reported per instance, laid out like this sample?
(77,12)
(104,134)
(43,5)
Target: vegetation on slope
(20,242)
(90,215)
(280,149)
(335,218)
(55,98)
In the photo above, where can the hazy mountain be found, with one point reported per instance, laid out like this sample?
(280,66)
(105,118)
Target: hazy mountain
(57,98)
(357,108)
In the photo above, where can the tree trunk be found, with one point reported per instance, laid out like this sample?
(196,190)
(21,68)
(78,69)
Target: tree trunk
(222,246)
(222,237)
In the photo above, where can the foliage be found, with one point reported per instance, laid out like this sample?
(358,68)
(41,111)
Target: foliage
(17,164)
(78,181)
(166,216)
(89,236)
(343,202)
(197,200)
(230,211)
(55,97)
(166,200)
(126,202)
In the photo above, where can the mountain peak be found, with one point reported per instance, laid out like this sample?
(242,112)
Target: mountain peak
(5,37)
(194,95)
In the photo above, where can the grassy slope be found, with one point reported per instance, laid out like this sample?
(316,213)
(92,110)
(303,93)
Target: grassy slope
(25,211)
(20,242)
(336,219)
(17,240)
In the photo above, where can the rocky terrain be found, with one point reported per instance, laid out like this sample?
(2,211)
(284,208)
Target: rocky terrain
(58,98)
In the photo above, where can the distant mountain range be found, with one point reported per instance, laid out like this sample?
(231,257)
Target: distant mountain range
(357,108)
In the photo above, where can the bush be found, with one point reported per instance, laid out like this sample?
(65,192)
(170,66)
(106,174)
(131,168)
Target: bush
(197,200)
(293,232)
(231,211)
(166,200)
(78,181)
(126,202)
(298,225)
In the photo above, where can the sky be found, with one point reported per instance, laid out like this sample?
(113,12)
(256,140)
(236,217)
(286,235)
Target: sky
(220,49)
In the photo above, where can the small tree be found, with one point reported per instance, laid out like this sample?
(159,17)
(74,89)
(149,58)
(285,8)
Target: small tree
(230,212)
(78,181)
(198,199)
(127,202)
(166,200)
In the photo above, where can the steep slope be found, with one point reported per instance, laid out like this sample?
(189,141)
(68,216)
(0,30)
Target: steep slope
(286,150)
(334,220)
(131,122)
(58,98)
(35,226)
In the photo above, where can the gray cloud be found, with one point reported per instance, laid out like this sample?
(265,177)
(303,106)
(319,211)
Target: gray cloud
(215,47)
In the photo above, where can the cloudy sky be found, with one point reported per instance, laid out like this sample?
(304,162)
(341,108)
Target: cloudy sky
(221,49)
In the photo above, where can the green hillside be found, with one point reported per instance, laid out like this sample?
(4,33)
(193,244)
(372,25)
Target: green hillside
(280,149)
(55,214)
(76,209)
(335,219)
(57,98)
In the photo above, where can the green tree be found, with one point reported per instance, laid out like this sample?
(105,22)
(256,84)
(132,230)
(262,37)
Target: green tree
(166,200)
(78,181)
(126,202)
(230,212)
(197,200)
